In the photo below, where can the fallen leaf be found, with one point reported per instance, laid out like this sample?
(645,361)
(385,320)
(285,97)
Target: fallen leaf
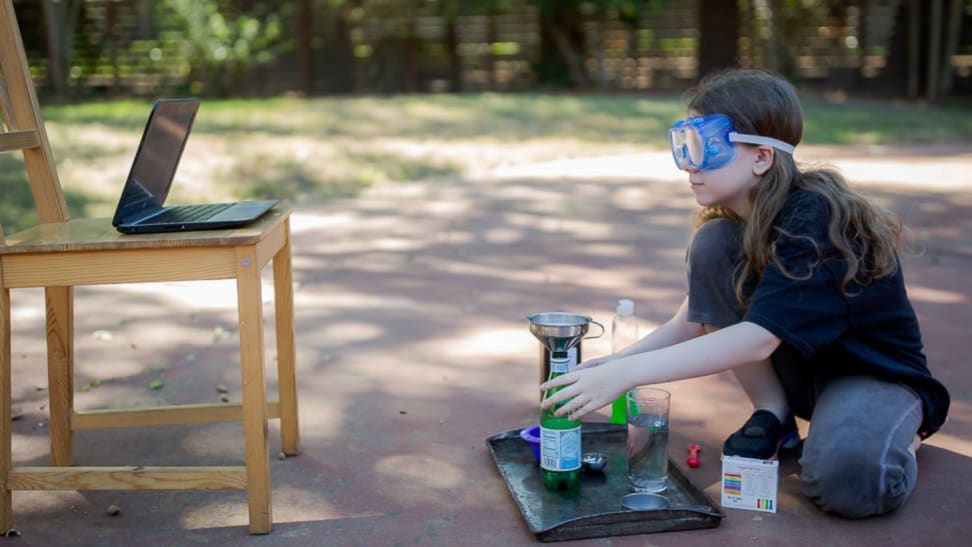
(90,385)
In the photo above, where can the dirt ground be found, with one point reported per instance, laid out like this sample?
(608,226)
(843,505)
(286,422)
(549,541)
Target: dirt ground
(413,349)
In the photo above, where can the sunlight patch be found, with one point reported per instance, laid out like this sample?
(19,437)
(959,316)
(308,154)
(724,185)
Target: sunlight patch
(494,343)
(431,473)
(935,296)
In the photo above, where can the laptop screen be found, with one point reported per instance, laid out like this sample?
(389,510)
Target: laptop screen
(157,158)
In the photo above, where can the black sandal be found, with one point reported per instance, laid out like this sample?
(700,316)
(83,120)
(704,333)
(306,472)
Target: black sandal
(762,436)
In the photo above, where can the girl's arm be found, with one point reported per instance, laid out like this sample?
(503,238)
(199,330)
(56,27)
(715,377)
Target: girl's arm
(593,387)
(675,330)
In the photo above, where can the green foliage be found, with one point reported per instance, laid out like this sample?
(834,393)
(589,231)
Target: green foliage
(17,210)
(16,203)
(313,149)
(627,10)
(214,48)
(884,123)
(638,119)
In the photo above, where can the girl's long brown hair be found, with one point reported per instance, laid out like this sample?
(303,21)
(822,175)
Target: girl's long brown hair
(760,103)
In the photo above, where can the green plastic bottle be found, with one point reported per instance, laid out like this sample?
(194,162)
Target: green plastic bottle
(560,438)
(624,332)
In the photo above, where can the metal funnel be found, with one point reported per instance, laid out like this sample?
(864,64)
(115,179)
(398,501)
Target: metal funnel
(559,331)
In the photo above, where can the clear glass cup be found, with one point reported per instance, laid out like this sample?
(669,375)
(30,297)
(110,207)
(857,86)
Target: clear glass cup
(648,439)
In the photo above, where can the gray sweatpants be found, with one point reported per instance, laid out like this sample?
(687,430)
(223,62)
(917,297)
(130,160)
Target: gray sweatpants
(856,460)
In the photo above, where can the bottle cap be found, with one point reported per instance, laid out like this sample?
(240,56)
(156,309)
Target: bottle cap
(625,307)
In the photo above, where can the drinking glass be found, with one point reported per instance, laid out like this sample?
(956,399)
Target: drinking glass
(648,439)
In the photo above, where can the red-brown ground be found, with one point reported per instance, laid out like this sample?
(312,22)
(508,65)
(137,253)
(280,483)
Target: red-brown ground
(413,349)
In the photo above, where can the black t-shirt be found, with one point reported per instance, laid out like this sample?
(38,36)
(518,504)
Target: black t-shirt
(872,330)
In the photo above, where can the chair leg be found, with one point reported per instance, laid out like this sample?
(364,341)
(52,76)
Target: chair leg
(250,302)
(286,353)
(6,455)
(60,371)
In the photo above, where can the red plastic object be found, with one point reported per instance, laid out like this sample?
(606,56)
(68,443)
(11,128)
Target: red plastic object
(693,457)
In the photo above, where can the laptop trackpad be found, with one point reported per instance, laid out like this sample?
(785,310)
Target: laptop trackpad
(244,210)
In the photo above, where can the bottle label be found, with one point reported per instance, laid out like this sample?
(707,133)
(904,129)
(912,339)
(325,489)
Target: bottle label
(563,365)
(571,358)
(560,366)
(560,449)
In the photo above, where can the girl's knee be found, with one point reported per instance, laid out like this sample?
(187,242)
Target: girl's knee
(851,482)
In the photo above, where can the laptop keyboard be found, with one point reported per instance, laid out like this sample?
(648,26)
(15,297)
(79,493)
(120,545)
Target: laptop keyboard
(189,213)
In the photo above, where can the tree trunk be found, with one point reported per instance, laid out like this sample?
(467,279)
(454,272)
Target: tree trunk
(718,35)
(914,46)
(335,59)
(561,47)
(952,33)
(410,59)
(491,38)
(599,49)
(452,51)
(305,68)
(862,37)
(60,17)
(110,22)
(934,51)
(773,48)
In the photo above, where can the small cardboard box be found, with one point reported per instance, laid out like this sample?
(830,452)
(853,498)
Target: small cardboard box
(750,484)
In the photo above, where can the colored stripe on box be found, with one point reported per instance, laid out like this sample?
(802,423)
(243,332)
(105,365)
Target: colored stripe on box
(732,484)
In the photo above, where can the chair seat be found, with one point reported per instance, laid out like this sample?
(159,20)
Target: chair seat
(97,234)
(72,252)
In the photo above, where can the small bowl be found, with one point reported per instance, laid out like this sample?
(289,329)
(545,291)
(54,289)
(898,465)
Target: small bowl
(532,436)
(594,462)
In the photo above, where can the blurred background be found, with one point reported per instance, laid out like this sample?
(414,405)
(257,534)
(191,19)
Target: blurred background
(454,166)
(307,100)
(216,48)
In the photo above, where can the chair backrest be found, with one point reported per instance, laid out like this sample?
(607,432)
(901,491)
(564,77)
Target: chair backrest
(21,125)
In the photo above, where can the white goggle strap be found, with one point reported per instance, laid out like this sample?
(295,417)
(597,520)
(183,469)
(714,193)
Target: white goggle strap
(766,141)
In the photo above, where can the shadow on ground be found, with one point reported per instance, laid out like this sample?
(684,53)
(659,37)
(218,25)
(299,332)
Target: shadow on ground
(413,349)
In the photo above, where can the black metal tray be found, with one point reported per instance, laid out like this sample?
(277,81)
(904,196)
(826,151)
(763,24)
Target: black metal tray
(596,510)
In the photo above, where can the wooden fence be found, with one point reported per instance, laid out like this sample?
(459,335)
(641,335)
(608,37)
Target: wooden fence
(149,47)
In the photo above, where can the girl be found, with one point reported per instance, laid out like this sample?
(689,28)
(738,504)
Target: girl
(794,285)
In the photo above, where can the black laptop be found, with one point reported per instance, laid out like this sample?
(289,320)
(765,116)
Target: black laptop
(142,208)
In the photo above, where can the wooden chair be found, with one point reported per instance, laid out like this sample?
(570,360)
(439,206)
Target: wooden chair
(61,253)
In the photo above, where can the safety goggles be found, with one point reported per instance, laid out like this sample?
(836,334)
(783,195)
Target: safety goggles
(707,142)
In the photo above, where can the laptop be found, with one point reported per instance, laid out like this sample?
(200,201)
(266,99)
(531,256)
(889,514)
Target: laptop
(141,208)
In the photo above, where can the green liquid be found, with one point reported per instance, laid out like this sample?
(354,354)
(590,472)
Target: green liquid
(619,410)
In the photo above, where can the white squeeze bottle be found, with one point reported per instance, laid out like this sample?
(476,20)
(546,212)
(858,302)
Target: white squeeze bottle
(624,332)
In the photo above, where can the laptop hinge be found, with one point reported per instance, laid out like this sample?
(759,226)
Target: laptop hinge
(141,218)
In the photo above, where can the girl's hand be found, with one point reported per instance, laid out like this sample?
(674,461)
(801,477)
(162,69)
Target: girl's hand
(587,389)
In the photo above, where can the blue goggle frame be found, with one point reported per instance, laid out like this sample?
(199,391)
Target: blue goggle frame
(708,142)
